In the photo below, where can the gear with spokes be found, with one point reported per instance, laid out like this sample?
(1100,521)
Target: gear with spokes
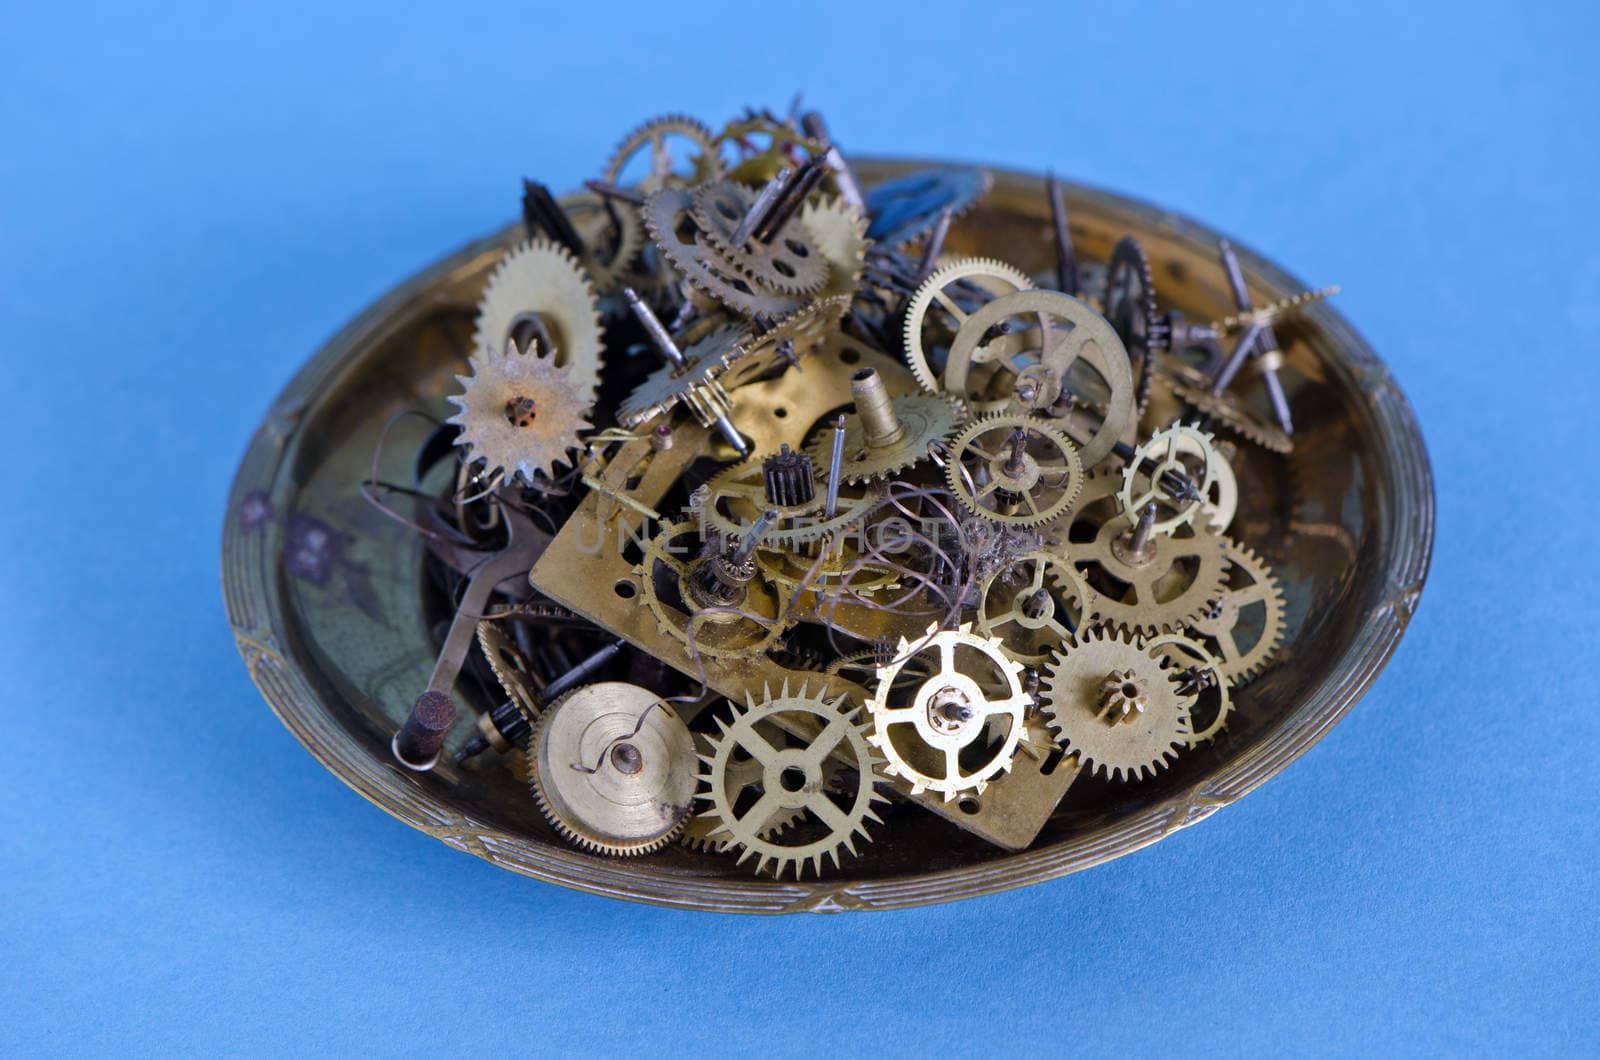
(613,769)
(937,741)
(519,413)
(792,736)
(1246,621)
(1116,705)
(1181,451)
(943,302)
(1016,471)
(787,262)
(1032,604)
(744,629)
(695,158)
(1156,585)
(926,420)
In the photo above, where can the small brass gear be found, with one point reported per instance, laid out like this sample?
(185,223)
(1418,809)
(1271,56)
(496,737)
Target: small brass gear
(540,291)
(839,234)
(736,497)
(795,779)
(613,769)
(655,135)
(1016,471)
(1246,639)
(1177,450)
(519,413)
(510,668)
(927,419)
(956,289)
(1200,676)
(782,146)
(1032,604)
(1233,417)
(939,740)
(788,263)
(1124,729)
(1168,584)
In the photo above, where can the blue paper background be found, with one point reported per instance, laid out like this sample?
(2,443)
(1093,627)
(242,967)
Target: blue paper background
(191,200)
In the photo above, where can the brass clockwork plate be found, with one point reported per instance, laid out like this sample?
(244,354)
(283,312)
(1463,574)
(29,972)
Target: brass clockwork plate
(331,613)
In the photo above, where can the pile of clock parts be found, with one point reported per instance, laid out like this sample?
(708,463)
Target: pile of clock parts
(762,520)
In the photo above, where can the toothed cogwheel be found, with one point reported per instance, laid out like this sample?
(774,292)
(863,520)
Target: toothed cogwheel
(738,495)
(1179,450)
(518,413)
(1234,418)
(669,217)
(783,144)
(1124,729)
(975,687)
(927,420)
(613,769)
(787,263)
(1168,585)
(1246,639)
(1015,471)
(510,668)
(839,234)
(1200,677)
(539,291)
(1129,302)
(742,781)
(795,778)
(1033,604)
(740,631)
(704,163)
(957,289)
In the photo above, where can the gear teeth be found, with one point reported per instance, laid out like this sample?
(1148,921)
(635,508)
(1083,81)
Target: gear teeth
(922,298)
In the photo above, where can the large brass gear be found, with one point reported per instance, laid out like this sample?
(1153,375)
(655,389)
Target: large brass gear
(950,714)
(983,365)
(613,769)
(1116,705)
(653,135)
(1161,588)
(804,331)
(927,419)
(1016,471)
(669,218)
(787,263)
(519,413)
(735,498)
(740,631)
(951,288)
(1032,604)
(540,290)
(1245,639)
(794,778)
(609,249)
(509,668)
(1175,450)
(742,779)
(697,384)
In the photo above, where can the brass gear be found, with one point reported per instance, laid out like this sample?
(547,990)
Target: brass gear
(518,413)
(697,384)
(997,481)
(927,419)
(540,289)
(922,742)
(1170,585)
(1245,642)
(742,777)
(669,218)
(1032,604)
(839,234)
(608,250)
(1083,710)
(804,330)
(991,277)
(788,263)
(1178,449)
(1088,339)
(783,145)
(794,778)
(840,575)
(713,634)
(653,134)
(613,769)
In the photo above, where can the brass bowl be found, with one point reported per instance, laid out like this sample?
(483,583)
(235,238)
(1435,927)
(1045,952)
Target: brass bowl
(326,595)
